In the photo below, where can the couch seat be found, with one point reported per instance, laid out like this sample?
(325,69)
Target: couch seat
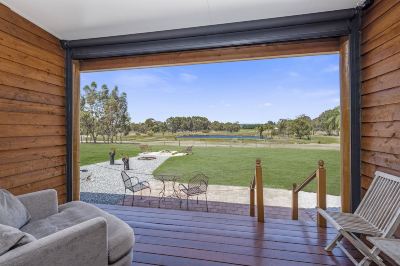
(120,235)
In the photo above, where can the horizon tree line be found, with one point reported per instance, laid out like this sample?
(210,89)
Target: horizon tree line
(104,112)
(300,127)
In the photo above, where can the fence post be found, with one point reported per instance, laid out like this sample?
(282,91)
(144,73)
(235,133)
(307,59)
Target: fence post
(295,203)
(260,192)
(321,192)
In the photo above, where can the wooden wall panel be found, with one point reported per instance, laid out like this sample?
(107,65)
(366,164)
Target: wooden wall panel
(380,114)
(32,107)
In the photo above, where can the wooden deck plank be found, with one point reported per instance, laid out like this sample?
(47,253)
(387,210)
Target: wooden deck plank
(213,256)
(273,228)
(213,222)
(158,259)
(244,251)
(221,216)
(173,237)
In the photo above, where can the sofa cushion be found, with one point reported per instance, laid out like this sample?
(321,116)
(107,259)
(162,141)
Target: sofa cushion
(12,211)
(12,237)
(120,235)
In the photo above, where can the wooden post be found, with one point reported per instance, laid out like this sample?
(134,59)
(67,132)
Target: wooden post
(252,201)
(295,203)
(345,125)
(321,192)
(260,192)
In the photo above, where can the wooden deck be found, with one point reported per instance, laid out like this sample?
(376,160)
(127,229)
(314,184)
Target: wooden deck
(174,237)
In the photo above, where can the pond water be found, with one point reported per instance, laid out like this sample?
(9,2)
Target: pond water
(217,137)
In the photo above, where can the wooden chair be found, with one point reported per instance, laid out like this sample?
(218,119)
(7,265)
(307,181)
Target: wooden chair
(377,215)
(134,187)
(196,186)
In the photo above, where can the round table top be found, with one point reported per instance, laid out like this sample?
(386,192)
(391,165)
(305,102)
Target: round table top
(164,178)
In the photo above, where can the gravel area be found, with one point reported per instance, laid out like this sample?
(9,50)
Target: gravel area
(106,178)
(101,198)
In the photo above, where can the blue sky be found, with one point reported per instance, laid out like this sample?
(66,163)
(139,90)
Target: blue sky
(246,91)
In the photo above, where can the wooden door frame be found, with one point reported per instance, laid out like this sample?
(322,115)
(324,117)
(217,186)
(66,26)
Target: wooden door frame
(303,35)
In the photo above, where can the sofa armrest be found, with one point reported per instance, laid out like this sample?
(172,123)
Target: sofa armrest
(40,204)
(81,244)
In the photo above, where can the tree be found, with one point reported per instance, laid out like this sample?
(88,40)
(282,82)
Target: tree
(269,126)
(260,129)
(329,121)
(163,128)
(283,127)
(333,120)
(216,126)
(301,126)
(94,108)
(104,112)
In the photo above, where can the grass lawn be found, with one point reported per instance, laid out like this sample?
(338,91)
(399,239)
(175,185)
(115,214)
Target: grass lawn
(95,153)
(235,166)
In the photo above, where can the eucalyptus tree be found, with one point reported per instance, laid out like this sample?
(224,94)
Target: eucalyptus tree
(104,112)
(301,126)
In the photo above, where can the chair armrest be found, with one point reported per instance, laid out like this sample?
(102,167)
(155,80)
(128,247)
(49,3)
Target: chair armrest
(81,244)
(205,183)
(135,180)
(40,204)
(183,187)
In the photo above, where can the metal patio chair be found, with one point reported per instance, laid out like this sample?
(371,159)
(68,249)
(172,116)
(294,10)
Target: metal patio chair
(377,215)
(134,187)
(196,186)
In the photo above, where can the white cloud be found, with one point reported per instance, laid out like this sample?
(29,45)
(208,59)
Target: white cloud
(267,104)
(336,100)
(294,74)
(225,104)
(331,69)
(186,77)
(144,81)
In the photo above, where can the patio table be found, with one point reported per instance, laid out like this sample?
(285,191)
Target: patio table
(164,179)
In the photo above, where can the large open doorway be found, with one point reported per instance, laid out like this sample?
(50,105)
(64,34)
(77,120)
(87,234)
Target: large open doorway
(242,53)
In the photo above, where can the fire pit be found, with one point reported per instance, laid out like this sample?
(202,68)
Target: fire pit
(147,158)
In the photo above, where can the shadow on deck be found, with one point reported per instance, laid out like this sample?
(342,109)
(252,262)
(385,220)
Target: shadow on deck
(177,237)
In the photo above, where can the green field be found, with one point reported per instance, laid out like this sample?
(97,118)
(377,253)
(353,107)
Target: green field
(95,153)
(235,166)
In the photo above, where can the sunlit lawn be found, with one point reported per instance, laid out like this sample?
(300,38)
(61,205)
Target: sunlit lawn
(235,166)
(95,153)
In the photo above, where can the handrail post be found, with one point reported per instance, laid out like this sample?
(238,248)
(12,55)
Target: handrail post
(260,192)
(321,192)
(252,201)
(295,203)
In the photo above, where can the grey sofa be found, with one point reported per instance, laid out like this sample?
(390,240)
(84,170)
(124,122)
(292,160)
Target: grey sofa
(75,233)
